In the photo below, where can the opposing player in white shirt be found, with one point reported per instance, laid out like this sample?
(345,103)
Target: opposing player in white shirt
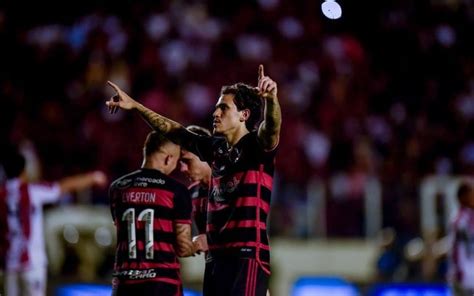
(25,258)
(461,259)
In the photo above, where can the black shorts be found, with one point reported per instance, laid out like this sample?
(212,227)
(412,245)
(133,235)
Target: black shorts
(150,288)
(235,277)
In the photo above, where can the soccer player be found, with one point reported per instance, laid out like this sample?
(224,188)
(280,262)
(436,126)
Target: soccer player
(26,261)
(461,259)
(241,155)
(199,172)
(152,213)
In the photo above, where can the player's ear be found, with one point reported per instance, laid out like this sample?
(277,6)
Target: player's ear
(167,159)
(244,115)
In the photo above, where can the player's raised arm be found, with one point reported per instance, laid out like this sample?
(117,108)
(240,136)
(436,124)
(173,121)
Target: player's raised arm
(269,129)
(159,123)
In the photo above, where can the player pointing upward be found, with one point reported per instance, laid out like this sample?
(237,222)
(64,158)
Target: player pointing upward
(241,155)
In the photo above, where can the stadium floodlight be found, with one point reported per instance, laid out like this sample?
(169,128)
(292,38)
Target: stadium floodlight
(331,9)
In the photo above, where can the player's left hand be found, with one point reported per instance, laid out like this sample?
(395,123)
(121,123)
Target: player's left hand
(99,178)
(266,86)
(200,242)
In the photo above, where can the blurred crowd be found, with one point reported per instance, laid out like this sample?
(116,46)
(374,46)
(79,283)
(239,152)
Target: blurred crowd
(387,91)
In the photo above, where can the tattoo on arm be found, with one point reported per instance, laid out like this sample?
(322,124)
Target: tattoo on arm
(269,130)
(170,128)
(158,122)
(184,244)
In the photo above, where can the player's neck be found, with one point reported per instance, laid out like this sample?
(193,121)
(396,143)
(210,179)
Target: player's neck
(152,164)
(234,137)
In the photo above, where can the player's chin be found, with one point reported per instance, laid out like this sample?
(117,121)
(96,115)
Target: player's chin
(217,130)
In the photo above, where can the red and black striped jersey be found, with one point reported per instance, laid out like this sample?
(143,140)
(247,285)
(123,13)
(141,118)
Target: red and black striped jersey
(239,197)
(145,206)
(199,194)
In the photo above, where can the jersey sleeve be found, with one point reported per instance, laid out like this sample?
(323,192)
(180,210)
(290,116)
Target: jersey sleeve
(199,198)
(45,193)
(202,147)
(182,206)
(254,142)
(112,201)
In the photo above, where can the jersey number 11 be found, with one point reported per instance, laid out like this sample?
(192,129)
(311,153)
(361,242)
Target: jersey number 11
(147,217)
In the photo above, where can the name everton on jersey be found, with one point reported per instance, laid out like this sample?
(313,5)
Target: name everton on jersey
(139,197)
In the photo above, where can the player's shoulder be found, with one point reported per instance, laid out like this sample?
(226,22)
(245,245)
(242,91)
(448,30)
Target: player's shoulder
(125,180)
(250,140)
(462,218)
(176,184)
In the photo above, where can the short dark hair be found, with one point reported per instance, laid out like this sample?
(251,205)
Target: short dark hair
(154,141)
(13,164)
(463,190)
(246,97)
(199,130)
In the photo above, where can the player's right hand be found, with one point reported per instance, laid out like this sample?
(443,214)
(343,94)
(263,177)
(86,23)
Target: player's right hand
(121,100)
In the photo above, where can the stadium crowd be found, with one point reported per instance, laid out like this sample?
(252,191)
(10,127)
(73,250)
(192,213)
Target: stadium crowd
(386,91)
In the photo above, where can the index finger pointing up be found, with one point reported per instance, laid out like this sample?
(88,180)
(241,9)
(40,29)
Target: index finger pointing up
(260,72)
(113,85)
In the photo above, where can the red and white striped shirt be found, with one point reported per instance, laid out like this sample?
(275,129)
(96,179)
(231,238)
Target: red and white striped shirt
(462,253)
(25,223)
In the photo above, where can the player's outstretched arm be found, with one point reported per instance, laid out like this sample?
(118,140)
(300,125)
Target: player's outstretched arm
(184,245)
(159,123)
(83,181)
(269,130)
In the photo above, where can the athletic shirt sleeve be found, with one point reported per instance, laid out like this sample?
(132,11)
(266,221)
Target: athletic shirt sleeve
(112,200)
(182,206)
(45,193)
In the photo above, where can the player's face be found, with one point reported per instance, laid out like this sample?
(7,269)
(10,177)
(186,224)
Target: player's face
(192,166)
(226,116)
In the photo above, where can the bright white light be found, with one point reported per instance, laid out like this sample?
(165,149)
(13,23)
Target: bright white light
(103,237)
(331,9)
(70,233)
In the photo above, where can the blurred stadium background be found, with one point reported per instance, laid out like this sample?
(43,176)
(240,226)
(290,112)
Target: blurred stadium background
(378,111)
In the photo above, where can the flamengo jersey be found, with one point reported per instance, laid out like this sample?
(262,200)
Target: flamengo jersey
(199,195)
(25,223)
(462,253)
(145,205)
(239,197)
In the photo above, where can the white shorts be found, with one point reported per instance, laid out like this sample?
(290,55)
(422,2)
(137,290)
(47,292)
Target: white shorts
(26,283)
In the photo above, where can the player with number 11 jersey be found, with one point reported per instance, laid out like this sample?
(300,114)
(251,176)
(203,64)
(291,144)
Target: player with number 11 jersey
(152,214)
